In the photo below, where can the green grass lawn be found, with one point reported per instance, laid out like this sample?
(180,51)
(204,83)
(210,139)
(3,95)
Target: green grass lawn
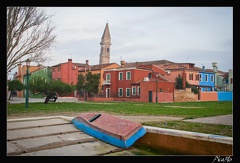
(188,110)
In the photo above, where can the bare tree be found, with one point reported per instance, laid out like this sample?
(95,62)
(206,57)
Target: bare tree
(29,35)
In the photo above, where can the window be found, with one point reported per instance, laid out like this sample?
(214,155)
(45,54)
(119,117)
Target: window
(127,92)
(231,80)
(200,77)
(108,78)
(98,74)
(206,78)
(134,90)
(138,90)
(197,77)
(150,75)
(190,76)
(120,76)
(212,78)
(58,68)
(120,92)
(128,75)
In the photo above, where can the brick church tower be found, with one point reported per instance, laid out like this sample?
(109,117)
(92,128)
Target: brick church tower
(105,43)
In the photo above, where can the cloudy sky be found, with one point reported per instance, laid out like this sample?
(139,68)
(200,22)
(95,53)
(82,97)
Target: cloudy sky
(199,35)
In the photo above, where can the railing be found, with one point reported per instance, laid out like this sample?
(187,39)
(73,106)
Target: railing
(105,82)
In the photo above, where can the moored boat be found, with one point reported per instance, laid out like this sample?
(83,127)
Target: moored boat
(111,129)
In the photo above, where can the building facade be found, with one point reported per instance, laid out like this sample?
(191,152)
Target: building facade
(22,71)
(44,73)
(142,83)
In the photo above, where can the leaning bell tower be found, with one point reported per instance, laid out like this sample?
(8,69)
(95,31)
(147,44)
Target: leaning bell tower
(105,43)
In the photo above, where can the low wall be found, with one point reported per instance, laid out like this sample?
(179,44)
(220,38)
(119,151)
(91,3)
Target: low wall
(184,95)
(179,96)
(100,99)
(185,142)
(225,96)
(208,96)
(162,97)
(215,96)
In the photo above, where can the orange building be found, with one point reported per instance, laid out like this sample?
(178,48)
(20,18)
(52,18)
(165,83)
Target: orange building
(22,70)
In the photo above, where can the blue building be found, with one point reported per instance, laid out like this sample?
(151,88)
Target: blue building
(207,79)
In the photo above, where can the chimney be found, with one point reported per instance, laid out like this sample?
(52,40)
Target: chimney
(214,64)
(87,62)
(183,79)
(203,68)
(122,62)
(19,69)
(70,71)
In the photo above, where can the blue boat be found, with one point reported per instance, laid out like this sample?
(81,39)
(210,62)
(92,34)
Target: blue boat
(110,129)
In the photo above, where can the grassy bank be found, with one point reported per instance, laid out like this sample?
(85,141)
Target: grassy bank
(188,110)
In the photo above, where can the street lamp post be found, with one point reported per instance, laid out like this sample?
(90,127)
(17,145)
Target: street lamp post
(156,90)
(27,92)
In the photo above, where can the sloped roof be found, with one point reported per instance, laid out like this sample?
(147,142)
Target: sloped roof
(42,67)
(101,66)
(97,67)
(74,63)
(106,33)
(162,78)
(156,62)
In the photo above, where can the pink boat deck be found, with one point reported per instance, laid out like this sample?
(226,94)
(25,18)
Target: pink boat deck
(111,125)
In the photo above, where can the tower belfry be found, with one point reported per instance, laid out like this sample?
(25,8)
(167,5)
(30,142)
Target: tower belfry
(105,43)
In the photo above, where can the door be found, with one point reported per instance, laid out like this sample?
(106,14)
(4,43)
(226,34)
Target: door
(150,96)
(107,92)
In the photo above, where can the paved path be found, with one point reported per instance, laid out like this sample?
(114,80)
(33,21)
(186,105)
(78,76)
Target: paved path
(222,119)
(60,99)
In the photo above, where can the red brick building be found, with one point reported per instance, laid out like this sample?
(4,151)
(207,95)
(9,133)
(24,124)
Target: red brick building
(67,72)
(145,83)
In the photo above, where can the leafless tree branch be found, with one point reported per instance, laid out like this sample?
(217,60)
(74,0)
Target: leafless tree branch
(29,35)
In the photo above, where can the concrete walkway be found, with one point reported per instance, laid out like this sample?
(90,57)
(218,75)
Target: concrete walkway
(60,99)
(222,119)
(57,136)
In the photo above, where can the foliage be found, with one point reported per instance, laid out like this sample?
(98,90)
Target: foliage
(38,85)
(15,85)
(80,83)
(178,82)
(29,35)
(92,82)
(195,90)
(89,83)
(225,130)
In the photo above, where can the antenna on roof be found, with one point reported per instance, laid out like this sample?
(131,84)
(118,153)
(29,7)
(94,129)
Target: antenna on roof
(71,56)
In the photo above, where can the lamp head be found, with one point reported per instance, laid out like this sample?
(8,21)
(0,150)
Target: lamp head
(28,62)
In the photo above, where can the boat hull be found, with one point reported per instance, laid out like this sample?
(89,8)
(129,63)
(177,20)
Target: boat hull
(116,131)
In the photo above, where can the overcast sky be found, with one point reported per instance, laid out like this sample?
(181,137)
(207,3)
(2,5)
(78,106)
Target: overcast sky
(199,35)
